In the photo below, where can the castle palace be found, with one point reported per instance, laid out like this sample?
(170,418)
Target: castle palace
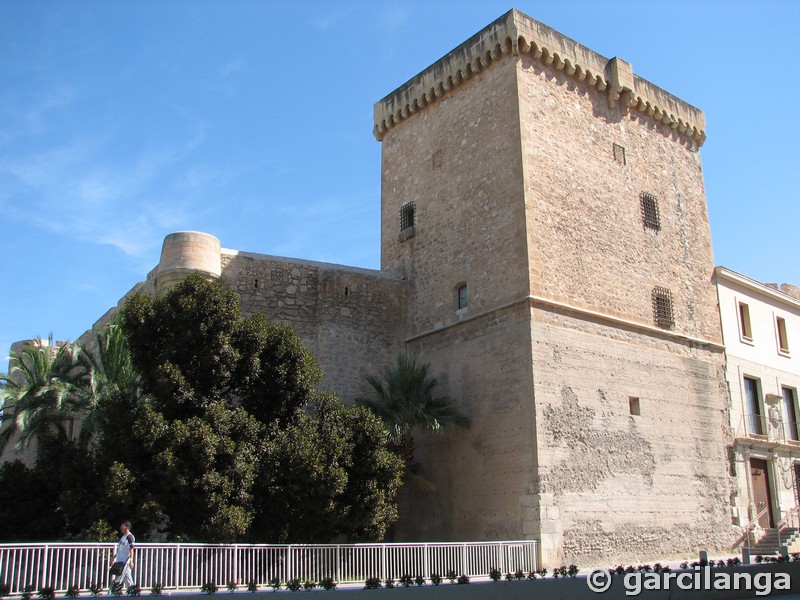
(545,246)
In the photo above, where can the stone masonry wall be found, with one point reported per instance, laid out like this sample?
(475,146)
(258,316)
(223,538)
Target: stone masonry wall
(458,160)
(614,486)
(349,318)
(482,473)
(588,245)
(567,463)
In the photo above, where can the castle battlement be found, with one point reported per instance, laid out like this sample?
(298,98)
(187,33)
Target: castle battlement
(514,34)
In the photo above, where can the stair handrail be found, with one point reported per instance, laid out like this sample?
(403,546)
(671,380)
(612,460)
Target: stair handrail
(751,525)
(785,521)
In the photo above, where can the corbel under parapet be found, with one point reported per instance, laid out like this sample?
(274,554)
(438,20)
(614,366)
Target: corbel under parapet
(516,34)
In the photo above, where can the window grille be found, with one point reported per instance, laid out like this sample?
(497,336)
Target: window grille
(407,216)
(650,215)
(662,308)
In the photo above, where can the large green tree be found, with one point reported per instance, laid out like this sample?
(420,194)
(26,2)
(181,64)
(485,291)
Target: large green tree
(201,424)
(243,445)
(328,473)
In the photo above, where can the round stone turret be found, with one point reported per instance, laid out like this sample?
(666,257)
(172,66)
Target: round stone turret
(186,252)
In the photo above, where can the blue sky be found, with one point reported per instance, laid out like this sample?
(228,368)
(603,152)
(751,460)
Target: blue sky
(121,121)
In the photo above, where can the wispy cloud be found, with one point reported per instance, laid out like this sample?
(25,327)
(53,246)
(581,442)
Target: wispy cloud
(232,66)
(394,16)
(27,115)
(329,229)
(389,16)
(79,191)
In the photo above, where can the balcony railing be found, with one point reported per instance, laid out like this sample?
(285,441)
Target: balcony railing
(769,430)
(189,566)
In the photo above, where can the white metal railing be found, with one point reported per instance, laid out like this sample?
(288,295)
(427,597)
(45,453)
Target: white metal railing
(790,518)
(189,566)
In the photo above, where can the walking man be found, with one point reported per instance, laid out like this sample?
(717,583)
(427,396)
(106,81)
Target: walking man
(123,561)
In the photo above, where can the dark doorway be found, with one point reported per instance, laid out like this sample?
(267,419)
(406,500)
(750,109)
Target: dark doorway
(761,494)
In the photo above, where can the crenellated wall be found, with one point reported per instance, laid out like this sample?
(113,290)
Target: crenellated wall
(516,34)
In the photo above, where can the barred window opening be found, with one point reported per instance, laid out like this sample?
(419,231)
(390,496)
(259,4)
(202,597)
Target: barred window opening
(407,216)
(662,308)
(650,215)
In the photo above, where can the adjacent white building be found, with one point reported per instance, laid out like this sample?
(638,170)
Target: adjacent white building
(761,332)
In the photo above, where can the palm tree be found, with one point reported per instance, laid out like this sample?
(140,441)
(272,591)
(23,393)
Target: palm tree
(114,378)
(406,399)
(46,390)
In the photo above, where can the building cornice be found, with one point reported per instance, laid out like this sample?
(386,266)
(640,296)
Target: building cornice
(581,313)
(516,34)
(756,286)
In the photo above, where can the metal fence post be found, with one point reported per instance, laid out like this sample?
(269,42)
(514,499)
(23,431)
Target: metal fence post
(464,569)
(43,577)
(177,562)
(427,562)
(235,577)
(338,562)
(383,561)
(290,565)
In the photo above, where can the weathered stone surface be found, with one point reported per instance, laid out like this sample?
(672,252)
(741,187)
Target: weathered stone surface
(518,194)
(349,318)
(185,252)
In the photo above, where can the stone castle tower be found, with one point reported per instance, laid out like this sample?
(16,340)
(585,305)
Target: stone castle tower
(546,207)
(546,247)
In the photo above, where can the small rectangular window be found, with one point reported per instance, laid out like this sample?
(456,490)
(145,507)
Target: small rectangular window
(662,308)
(463,299)
(744,322)
(650,214)
(437,159)
(634,406)
(753,407)
(783,340)
(619,154)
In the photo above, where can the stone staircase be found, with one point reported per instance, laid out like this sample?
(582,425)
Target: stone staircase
(768,544)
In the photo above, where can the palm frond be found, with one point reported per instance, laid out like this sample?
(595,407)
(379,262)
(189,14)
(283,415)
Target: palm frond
(406,398)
